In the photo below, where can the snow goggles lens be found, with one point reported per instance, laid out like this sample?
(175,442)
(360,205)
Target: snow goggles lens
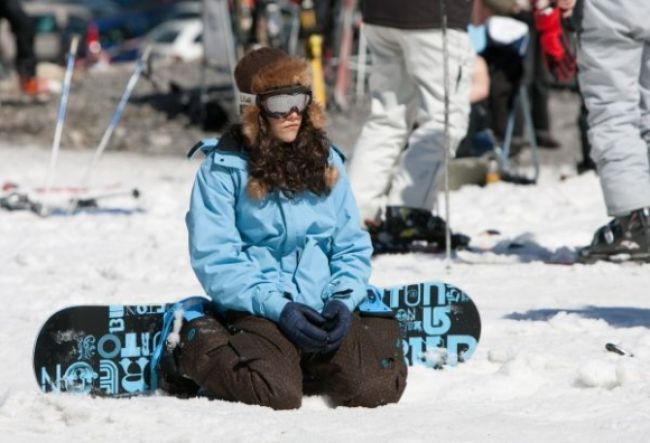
(283,104)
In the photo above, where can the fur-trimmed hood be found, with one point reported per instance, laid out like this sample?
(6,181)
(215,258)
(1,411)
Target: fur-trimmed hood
(264,70)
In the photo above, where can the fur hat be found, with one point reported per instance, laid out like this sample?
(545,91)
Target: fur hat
(265,69)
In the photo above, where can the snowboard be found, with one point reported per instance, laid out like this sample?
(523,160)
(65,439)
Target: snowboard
(107,350)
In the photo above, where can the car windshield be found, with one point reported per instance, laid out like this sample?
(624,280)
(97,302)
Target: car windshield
(45,24)
(115,36)
(186,15)
(166,36)
(76,25)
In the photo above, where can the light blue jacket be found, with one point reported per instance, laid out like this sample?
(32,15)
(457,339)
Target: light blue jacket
(256,256)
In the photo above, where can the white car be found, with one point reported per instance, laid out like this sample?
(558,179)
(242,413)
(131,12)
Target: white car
(177,40)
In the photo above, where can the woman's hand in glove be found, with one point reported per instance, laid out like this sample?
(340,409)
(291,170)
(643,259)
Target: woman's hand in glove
(338,321)
(303,326)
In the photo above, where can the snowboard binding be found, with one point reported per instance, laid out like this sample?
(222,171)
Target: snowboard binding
(412,230)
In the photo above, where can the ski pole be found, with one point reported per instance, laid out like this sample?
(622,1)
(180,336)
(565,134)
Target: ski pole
(224,25)
(445,68)
(361,65)
(530,130)
(342,75)
(63,104)
(117,115)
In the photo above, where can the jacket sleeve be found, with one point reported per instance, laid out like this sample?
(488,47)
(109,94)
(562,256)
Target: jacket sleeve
(228,275)
(351,250)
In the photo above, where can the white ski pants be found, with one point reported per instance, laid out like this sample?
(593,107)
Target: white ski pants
(407,88)
(614,62)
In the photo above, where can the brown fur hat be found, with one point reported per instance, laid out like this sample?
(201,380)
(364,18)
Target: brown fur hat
(265,69)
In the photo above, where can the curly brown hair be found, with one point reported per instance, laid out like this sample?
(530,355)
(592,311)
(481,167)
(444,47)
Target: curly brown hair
(290,168)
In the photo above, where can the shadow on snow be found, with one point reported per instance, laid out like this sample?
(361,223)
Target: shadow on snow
(620,317)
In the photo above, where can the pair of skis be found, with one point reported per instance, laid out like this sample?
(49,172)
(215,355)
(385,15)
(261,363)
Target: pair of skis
(43,207)
(80,199)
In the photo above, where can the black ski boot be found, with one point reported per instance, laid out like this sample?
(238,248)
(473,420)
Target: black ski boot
(186,354)
(16,201)
(192,358)
(625,238)
(410,229)
(171,379)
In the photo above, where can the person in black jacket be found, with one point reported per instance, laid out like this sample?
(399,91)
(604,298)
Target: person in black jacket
(23,29)
(395,187)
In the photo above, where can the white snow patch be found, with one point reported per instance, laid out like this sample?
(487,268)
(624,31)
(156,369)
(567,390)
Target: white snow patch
(540,373)
(596,373)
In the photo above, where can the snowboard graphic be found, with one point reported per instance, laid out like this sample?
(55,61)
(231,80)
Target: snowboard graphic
(439,323)
(107,350)
(103,350)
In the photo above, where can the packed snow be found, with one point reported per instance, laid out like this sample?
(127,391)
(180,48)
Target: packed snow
(540,373)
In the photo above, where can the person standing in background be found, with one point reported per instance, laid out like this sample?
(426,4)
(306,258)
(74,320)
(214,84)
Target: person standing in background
(614,76)
(395,187)
(546,54)
(23,31)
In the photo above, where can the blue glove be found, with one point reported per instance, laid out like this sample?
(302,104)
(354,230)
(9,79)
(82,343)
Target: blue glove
(303,327)
(339,320)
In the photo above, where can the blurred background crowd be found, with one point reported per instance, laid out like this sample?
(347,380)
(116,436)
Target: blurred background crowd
(182,99)
(394,80)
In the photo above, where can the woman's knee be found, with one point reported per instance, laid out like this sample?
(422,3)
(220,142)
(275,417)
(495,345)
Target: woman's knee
(257,366)
(383,389)
(255,381)
(276,394)
(376,376)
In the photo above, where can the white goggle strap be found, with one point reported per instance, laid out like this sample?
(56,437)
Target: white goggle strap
(246,100)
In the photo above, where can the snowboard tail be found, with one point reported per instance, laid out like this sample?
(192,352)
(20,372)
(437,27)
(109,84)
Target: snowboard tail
(109,350)
(102,350)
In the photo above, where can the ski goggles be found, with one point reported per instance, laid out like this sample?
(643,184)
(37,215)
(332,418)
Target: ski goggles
(280,103)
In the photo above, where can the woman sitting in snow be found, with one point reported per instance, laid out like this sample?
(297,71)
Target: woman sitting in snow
(276,242)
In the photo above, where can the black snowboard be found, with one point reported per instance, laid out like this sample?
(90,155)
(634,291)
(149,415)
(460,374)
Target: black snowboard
(104,350)
(440,324)
(107,350)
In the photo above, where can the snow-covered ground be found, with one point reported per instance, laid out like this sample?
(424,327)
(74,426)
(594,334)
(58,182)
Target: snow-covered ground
(540,372)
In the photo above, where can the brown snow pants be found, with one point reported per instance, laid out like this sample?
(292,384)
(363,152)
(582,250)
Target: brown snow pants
(253,362)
